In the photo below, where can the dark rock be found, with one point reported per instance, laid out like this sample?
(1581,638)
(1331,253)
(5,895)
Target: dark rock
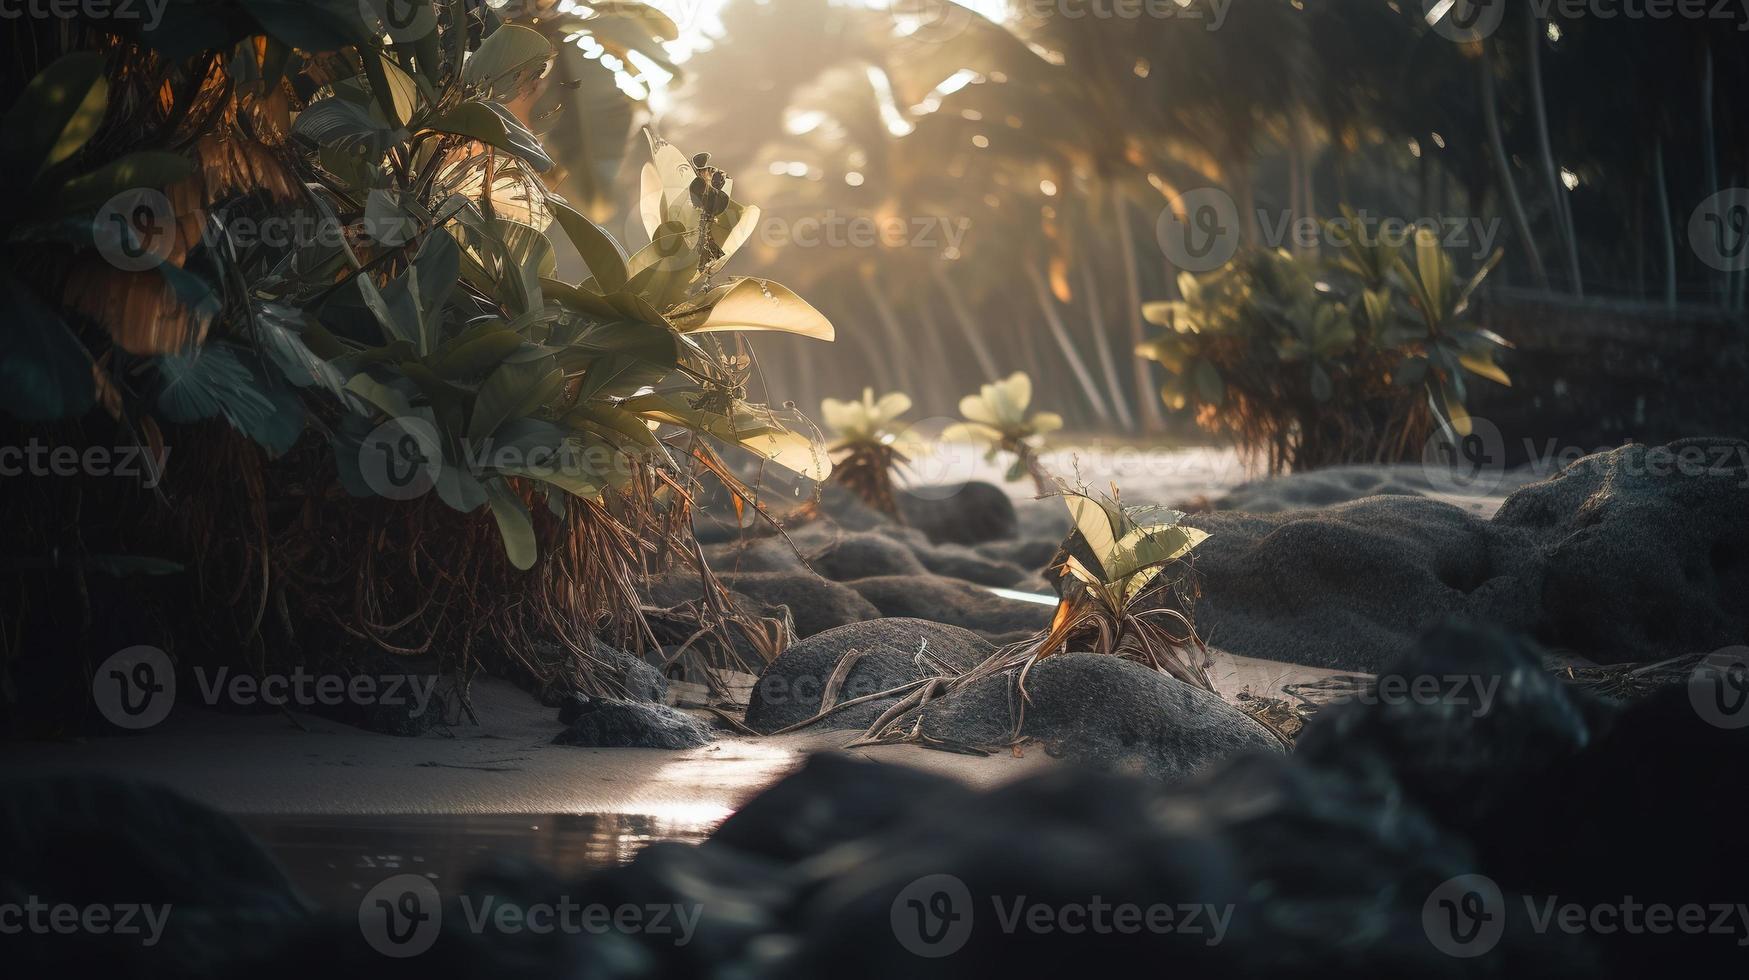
(93,841)
(1324,488)
(767,554)
(1104,712)
(1032,554)
(832,799)
(611,723)
(817,604)
(1465,723)
(894,651)
(1646,549)
(1350,586)
(960,562)
(946,600)
(855,555)
(969,513)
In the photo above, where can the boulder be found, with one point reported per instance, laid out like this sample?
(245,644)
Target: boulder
(854,555)
(947,600)
(1105,712)
(1645,549)
(614,723)
(893,651)
(1349,586)
(815,603)
(967,513)
(1323,488)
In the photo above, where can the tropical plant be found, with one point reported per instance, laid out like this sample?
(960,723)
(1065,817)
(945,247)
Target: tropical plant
(997,417)
(1124,577)
(1311,362)
(869,444)
(575,414)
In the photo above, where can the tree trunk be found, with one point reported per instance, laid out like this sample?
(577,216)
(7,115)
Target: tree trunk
(1102,344)
(1503,164)
(1048,306)
(1665,223)
(968,328)
(894,340)
(1562,214)
(1153,419)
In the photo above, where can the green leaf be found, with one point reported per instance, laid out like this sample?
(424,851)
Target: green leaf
(147,168)
(507,61)
(217,381)
(494,125)
(755,304)
(1322,389)
(45,373)
(1209,386)
(604,257)
(56,115)
(514,525)
(628,356)
(511,392)
(478,350)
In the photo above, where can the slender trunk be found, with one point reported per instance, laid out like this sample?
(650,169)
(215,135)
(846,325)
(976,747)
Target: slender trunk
(1247,202)
(1048,306)
(1102,344)
(893,341)
(1563,214)
(1503,164)
(1709,147)
(944,388)
(968,328)
(1664,222)
(1153,420)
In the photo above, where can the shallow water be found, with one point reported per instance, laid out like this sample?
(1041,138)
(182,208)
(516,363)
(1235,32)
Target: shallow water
(335,859)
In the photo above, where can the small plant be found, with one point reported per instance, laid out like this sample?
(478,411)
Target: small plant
(1310,363)
(869,444)
(1123,587)
(996,416)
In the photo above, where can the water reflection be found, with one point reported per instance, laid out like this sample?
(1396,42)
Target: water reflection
(335,859)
